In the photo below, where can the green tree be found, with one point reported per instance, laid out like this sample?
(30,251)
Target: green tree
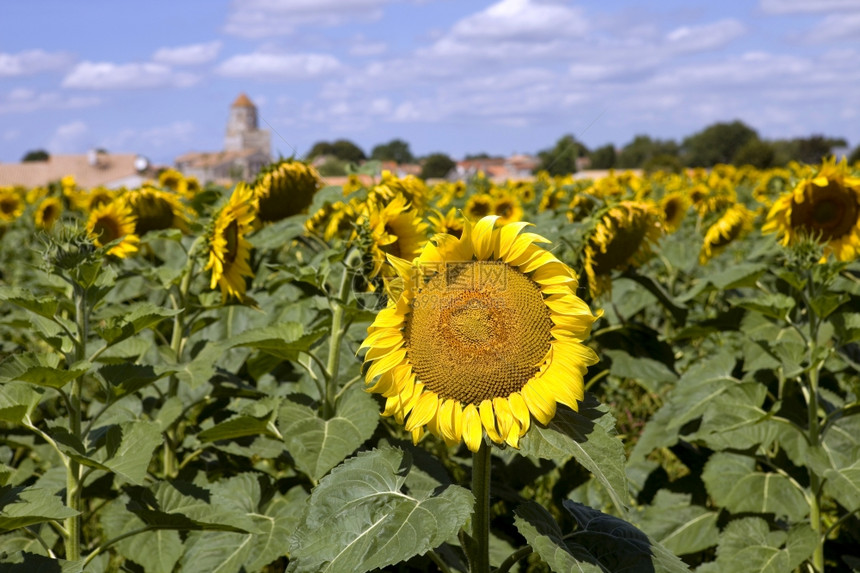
(36,155)
(436,165)
(663,162)
(395,150)
(561,159)
(717,143)
(342,149)
(854,157)
(604,157)
(332,167)
(636,153)
(757,153)
(319,149)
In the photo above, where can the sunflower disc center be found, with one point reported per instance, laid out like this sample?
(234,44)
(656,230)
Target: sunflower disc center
(477,330)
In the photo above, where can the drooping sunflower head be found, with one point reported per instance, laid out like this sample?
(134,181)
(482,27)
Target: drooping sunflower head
(478,206)
(736,222)
(486,335)
(155,210)
(451,223)
(508,208)
(188,187)
(48,212)
(674,206)
(824,206)
(110,222)
(229,250)
(413,189)
(11,204)
(170,179)
(622,237)
(284,189)
(396,229)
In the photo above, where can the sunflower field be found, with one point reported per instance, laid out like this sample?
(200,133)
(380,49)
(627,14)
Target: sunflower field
(636,373)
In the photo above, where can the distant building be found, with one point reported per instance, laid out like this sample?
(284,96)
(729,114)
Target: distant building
(96,168)
(247,149)
(499,168)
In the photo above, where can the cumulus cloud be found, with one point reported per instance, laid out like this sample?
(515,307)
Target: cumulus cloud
(706,37)
(69,138)
(190,55)
(836,27)
(274,66)
(24,100)
(364,47)
(110,76)
(33,62)
(796,6)
(262,18)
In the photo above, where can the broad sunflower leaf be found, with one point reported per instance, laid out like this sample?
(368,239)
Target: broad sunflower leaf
(650,373)
(178,505)
(24,562)
(23,506)
(317,445)
(17,400)
(133,318)
(600,543)
(256,420)
(126,378)
(678,525)
(43,306)
(39,369)
(359,518)
(843,485)
(748,546)
(284,340)
(129,447)
(157,550)
(774,305)
(733,483)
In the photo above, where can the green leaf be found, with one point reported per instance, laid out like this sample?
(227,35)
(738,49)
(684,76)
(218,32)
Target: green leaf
(318,445)
(679,526)
(134,318)
(359,518)
(284,340)
(129,448)
(39,369)
(178,505)
(23,562)
(843,485)
(738,276)
(601,542)
(824,305)
(43,306)
(241,426)
(17,400)
(23,506)
(156,551)
(774,305)
(748,546)
(582,436)
(650,373)
(127,378)
(733,483)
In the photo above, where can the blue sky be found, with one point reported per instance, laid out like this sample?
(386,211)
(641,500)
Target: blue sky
(157,77)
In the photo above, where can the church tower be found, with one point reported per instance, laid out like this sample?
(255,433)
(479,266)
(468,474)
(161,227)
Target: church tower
(243,131)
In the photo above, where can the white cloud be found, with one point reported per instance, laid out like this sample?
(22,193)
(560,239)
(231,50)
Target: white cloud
(24,100)
(706,37)
(794,6)
(522,19)
(363,47)
(69,138)
(33,62)
(178,132)
(107,76)
(11,134)
(262,18)
(190,55)
(272,66)
(836,27)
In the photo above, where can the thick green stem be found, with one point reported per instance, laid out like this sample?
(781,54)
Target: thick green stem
(479,560)
(73,469)
(337,332)
(814,432)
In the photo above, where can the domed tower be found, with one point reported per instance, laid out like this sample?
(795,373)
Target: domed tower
(243,131)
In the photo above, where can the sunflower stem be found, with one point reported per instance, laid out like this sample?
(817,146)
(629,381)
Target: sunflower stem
(814,429)
(337,331)
(479,560)
(73,468)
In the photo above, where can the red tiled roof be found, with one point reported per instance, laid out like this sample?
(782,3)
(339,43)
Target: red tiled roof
(242,101)
(110,167)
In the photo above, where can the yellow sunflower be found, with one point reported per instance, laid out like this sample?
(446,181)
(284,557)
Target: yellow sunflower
(397,230)
(674,206)
(169,179)
(229,250)
(622,237)
(110,222)
(508,208)
(11,204)
(478,206)
(188,187)
(736,222)
(284,189)
(824,205)
(451,223)
(485,335)
(92,198)
(48,212)
(155,210)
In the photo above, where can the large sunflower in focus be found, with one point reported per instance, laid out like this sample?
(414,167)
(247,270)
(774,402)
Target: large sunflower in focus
(229,250)
(825,206)
(736,222)
(485,335)
(110,222)
(622,237)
